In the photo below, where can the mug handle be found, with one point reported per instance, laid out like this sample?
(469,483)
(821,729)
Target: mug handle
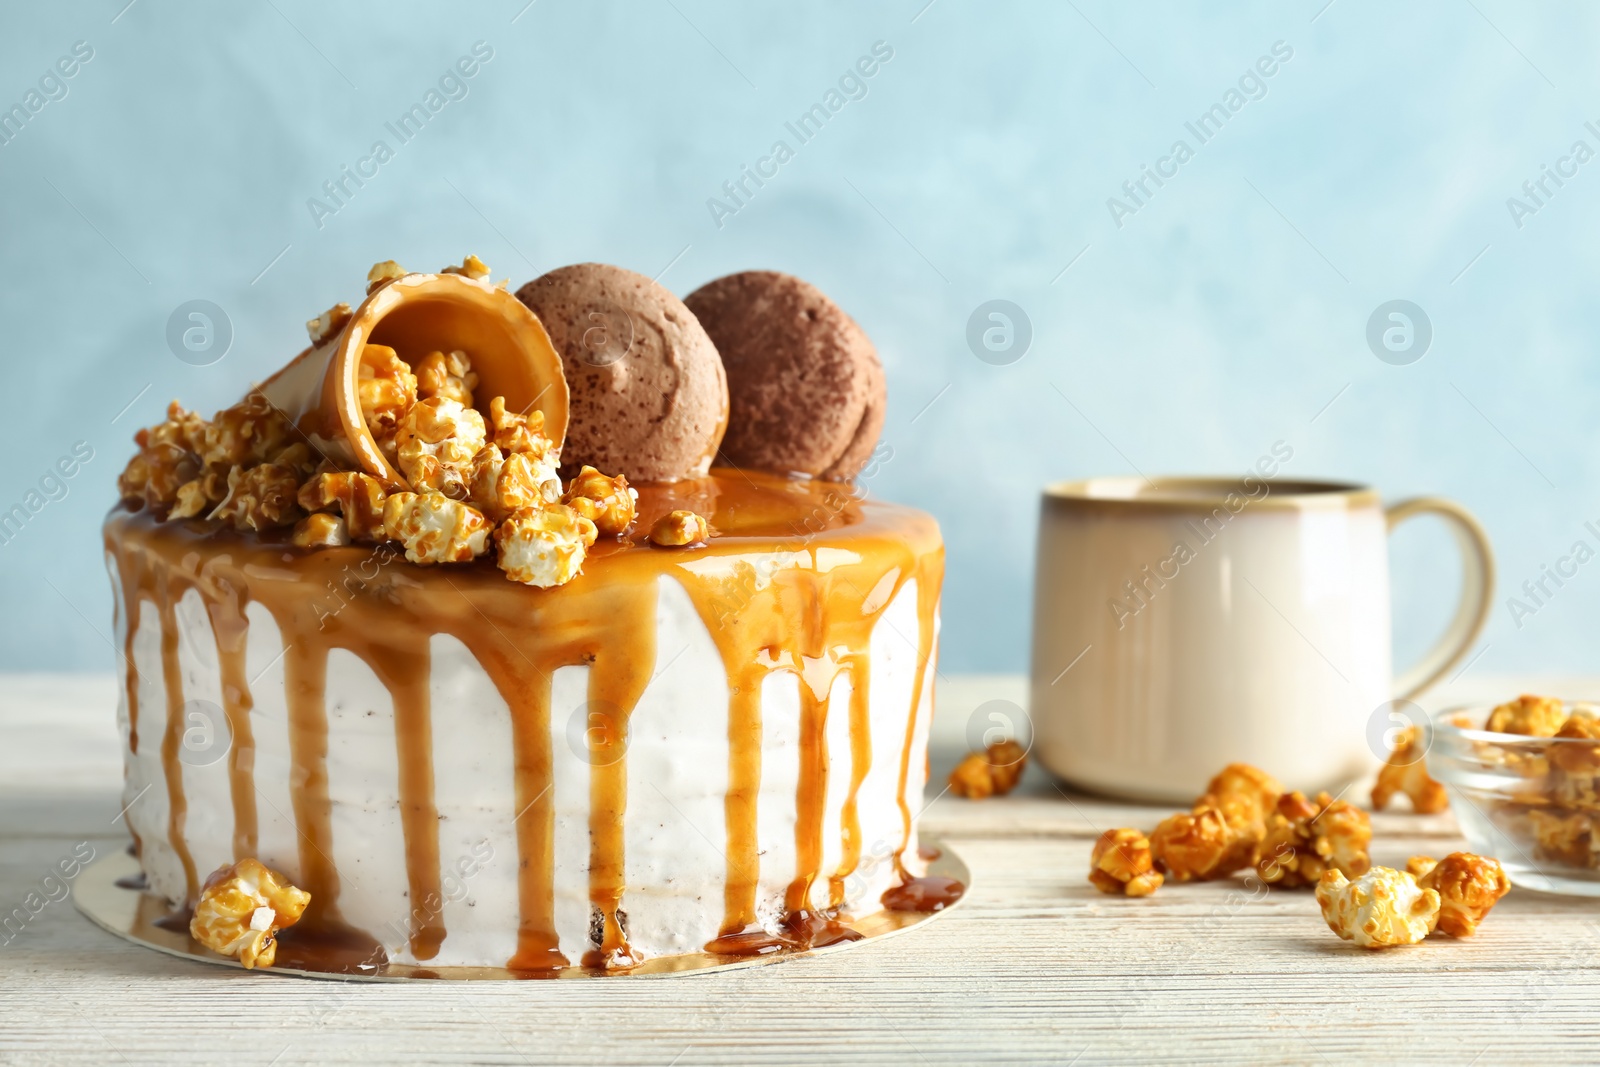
(1477,589)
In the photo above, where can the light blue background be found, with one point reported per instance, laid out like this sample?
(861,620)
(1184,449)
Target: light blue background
(1227,314)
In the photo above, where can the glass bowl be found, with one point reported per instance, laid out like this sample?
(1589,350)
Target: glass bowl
(1533,803)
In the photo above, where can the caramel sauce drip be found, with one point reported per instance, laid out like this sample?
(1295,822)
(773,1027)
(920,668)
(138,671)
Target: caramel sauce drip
(229,627)
(305,676)
(172,740)
(927,604)
(526,689)
(404,671)
(795,579)
(860,763)
(929,893)
(622,669)
(236,705)
(799,930)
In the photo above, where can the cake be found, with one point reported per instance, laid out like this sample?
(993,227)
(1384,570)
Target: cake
(489,705)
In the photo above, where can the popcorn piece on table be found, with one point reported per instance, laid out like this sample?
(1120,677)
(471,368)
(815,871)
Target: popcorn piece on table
(1380,909)
(514,432)
(1304,839)
(1468,886)
(1246,787)
(320,530)
(1533,716)
(1417,866)
(1201,845)
(450,376)
(434,528)
(679,529)
(383,273)
(359,498)
(436,443)
(500,484)
(241,909)
(609,503)
(543,546)
(1406,772)
(1120,863)
(328,323)
(259,498)
(993,772)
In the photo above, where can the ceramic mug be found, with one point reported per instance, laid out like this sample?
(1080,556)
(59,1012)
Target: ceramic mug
(1182,624)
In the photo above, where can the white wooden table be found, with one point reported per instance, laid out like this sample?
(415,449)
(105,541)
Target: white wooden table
(1036,966)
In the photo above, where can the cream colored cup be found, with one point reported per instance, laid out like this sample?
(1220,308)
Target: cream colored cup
(1181,624)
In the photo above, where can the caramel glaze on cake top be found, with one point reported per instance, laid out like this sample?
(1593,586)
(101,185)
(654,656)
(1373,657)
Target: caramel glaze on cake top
(794,579)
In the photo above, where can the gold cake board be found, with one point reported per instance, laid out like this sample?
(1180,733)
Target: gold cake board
(132,914)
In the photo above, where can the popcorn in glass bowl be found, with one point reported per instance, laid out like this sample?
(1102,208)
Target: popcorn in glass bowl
(1524,782)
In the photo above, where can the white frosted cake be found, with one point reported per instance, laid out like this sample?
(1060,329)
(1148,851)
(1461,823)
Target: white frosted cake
(471,750)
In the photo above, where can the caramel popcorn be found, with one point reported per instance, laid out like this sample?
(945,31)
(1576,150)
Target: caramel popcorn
(135,477)
(500,484)
(1243,792)
(387,389)
(518,433)
(1565,836)
(241,909)
(1468,886)
(182,428)
(1417,866)
(992,772)
(1304,839)
(434,528)
(678,529)
(320,530)
(259,498)
(1580,791)
(1578,759)
(450,376)
(543,546)
(214,482)
(609,503)
(1530,715)
(328,323)
(1243,796)
(192,500)
(472,267)
(1405,772)
(358,497)
(1120,863)
(383,273)
(167,458)
(1201,845)
(297,457)
(251,431)
(436,443)
(1380,909)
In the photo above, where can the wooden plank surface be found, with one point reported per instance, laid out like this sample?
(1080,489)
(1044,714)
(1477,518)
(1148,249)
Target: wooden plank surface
(1036,966)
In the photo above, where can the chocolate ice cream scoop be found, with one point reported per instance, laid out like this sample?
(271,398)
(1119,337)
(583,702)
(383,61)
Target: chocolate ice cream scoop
(806,392)
(649,399)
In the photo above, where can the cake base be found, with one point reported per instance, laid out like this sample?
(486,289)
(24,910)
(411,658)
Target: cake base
(104,893)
